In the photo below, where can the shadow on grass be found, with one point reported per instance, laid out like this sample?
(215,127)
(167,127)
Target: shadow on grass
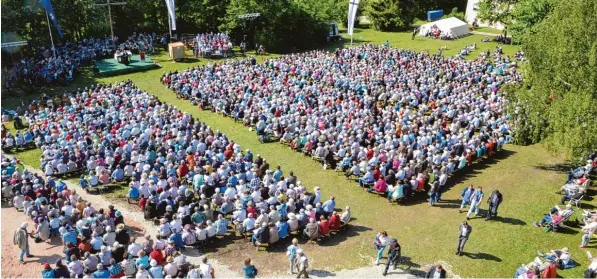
(512,221)
(459,177)
(482,256)
(561,167)
(321,273)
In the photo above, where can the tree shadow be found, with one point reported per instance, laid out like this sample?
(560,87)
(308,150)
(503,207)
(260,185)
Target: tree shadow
(321,273)
(43,259)
(512,221)
(343,235)
(458,177)
(561,167)
(482,256)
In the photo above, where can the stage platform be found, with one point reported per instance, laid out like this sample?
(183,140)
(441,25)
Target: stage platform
(111,67)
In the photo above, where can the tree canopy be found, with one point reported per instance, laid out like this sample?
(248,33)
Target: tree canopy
(558,102)
(391,15)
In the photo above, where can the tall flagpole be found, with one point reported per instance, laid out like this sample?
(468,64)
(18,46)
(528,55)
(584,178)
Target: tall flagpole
(170,25)
(50,31)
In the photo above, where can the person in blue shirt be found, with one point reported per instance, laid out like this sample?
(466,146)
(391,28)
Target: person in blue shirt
(143,259)
(329,205)
(282,227)
(178,241)
(249,270)
(101,272)
(118,174)
(278,174)
(60,186)
(156,271)
(83,182)
(248,156)
(48,272)
(466,197)
(368,178)
(133,192)
(70,236)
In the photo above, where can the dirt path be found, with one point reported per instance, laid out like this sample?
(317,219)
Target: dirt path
(226,257)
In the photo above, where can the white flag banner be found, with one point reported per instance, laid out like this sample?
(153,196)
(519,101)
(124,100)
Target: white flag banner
(353,5)
(171,12)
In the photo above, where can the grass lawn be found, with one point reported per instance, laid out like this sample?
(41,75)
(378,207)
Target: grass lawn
(489,30)
(427,234)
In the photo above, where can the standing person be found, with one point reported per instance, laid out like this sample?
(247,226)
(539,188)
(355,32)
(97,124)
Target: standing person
(465,231)
(436,271)
(466,197)
(291,252)
(249,270)
(494,201)
(21,239)
(207,271)
(381,241)
(302,263)
(476,200)
(393,255)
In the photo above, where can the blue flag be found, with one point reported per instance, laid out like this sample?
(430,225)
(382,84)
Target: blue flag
(50,10)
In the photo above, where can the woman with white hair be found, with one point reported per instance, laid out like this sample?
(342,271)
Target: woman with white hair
(21,240)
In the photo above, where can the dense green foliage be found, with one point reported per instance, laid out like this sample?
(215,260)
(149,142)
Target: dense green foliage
(528,15)
(454,13)
(494,11)
(390,15)
(558,103)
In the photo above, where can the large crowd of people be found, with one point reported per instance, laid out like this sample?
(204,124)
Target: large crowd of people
(194,180)
(46,69)
(402,117)
(212,44)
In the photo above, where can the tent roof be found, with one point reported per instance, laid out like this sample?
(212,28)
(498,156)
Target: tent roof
(446,23)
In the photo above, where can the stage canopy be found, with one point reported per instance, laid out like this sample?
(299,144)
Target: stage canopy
(452,25)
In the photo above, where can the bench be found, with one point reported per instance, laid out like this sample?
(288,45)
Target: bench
(262,245)
(135,200)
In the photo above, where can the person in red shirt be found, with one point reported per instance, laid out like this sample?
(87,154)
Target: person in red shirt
(142,202)
(157,255)
(324,226)
(334,221)
(183,170)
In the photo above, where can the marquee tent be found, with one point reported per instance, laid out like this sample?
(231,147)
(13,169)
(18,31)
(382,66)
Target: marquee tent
(449,26)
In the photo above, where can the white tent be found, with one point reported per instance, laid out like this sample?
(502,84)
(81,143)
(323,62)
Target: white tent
(448,26)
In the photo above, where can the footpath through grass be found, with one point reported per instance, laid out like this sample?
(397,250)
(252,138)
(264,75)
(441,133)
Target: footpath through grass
(427,234)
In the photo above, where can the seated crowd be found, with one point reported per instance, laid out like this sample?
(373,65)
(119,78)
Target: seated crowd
(46,69)
(139,42)
(96,242)
(207,45)
(178,169)
(369,111)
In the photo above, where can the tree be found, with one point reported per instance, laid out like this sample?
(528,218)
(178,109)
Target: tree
(284,25)
(496,11)
(526,15)
(558,103)
(390,15)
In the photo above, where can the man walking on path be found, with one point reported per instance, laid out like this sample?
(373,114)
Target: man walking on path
(21,239)
(394,254)
(465,231)
(302,263)
(494,201)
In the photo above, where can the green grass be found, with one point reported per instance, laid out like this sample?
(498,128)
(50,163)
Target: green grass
(427,234)
(489,30)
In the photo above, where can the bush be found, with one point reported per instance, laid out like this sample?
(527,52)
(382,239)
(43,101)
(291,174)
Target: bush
(456,14)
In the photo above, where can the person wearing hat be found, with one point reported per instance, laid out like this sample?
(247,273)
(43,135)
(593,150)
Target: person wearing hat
(301,263)
(101,272)
(21,240)
(394,254)
(171,268)
(47,272)
(142,273)
(122,236)
(156,271)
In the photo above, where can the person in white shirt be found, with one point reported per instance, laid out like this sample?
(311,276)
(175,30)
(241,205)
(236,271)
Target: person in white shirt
(345,218)
(249,223)
(207,271)
(588,231)
(142,273)
(134,247)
